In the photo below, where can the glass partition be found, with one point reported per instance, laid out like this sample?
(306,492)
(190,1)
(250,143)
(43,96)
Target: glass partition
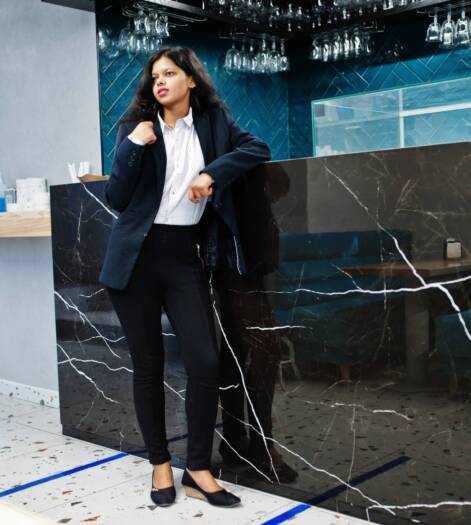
(433,113)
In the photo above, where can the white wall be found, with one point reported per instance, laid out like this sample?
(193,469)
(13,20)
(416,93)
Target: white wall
(49,114)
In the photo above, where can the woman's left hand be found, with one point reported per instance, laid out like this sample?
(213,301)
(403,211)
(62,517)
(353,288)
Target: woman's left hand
(200,187)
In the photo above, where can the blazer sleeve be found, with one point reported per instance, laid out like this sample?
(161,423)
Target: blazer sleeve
(125,170)
(247,153)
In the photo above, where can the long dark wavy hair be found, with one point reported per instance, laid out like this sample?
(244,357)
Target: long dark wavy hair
(144,106)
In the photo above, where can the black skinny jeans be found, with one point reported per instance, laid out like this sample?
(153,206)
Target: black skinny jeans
(169,273)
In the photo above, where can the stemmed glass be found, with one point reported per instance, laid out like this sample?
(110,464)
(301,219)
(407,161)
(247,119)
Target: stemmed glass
(233,58)
(284,61)
(244,59)
(316,49)
(463,36)
(106,44)
(140,22)
(357,43)
(448,32)
(252,58)
(337,47)
(124,39)
(433,30)
(273,58)
(347,46)
(367,44)
(262,58)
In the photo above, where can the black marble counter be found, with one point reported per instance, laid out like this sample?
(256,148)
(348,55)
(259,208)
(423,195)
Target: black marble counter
(356,359)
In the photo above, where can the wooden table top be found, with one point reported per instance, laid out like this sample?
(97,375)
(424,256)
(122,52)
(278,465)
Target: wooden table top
(429,268)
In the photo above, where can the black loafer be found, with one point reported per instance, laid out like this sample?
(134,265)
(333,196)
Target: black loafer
(162,497)
(220,498)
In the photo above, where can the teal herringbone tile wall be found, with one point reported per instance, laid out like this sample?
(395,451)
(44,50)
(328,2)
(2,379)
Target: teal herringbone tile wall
(419,62)
(259,103)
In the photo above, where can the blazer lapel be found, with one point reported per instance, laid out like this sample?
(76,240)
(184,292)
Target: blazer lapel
(159,153)
(203,130)
(202,127)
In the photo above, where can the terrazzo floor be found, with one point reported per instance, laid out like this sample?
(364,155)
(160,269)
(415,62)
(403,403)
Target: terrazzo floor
(46,477)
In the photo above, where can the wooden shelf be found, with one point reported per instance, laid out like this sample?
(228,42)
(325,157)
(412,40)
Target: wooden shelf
(35,223)
(92,178)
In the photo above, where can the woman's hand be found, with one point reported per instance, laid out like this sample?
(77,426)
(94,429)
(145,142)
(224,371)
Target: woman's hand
(145,131)
(200,187)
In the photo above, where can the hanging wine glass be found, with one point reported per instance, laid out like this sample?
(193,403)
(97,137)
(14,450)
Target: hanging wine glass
(367,43)
(244,59)
(273,58)
(433,30)
(326,48)
(262,58)
(284,60)
(347,46)
(232,59)
(316,49)
(124,38)
(448,32)
(140,22)
(252,58)
(106,43)
(463,36)
(165,31)
(103,39)
(337,51)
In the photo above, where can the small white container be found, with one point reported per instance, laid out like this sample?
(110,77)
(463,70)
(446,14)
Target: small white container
(41,200)
(452,249)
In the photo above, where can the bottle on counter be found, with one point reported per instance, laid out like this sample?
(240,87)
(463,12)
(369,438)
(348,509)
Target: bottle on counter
(3,187)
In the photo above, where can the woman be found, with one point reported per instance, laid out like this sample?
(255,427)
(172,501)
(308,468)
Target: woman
(177,152)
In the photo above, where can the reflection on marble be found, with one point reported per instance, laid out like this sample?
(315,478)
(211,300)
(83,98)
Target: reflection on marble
(344,360)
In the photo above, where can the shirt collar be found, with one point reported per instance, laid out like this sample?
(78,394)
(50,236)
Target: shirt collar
(187,119)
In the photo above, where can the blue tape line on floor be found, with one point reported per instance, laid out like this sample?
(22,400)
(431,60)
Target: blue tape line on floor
(288,514)
(77,469)
(62,474)
(336,490)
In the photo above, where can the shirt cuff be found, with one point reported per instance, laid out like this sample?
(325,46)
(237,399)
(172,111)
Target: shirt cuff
(136,141)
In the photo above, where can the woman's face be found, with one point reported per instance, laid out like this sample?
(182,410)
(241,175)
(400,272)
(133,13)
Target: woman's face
(171,84)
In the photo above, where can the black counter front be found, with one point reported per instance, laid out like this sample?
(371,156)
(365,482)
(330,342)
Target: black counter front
(352,332)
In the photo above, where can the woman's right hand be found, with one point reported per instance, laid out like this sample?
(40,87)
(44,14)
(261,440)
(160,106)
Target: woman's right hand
(145,131)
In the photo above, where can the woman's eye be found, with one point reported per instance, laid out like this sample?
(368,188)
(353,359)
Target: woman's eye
(167,73)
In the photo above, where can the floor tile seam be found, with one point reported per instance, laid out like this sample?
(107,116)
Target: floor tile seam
(28,425)
(5,400)
(20,415)
(16,456)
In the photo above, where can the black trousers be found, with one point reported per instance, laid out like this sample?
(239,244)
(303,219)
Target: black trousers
(169,273)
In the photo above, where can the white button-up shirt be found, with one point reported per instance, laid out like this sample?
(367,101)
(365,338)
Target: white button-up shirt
(184,162)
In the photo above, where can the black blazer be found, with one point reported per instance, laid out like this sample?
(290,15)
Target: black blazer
(135,185)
